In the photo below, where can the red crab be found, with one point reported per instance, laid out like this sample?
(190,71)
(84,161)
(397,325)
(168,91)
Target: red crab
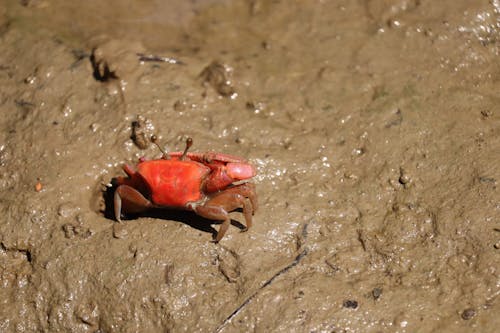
(210,184)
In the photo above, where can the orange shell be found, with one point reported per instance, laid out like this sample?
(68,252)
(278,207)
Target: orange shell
(174,183)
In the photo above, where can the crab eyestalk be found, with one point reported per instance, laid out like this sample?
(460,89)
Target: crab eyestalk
(154,139)
(189,143)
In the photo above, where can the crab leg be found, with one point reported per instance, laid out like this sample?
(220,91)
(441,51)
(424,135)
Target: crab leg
(131,200)
(248,191)
(219,206)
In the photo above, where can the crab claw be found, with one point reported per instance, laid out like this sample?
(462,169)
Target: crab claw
(224,175)
(240,171)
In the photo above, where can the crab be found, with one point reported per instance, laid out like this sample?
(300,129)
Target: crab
(210,184)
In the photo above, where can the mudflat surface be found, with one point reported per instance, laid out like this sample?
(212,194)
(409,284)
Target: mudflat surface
(374,127)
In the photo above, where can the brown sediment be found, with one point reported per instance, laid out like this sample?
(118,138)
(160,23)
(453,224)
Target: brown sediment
(373,123)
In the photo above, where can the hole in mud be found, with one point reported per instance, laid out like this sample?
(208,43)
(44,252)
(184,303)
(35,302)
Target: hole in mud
(101,70)
(27,253)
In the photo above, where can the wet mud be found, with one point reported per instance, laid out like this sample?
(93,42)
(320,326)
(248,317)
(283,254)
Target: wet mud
(374,127)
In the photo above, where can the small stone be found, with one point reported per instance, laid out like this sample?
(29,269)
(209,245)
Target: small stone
(350,304)
(358,151)
(38,186)
(376,293)
(142,129)
(468,314)
(217,75)
(404,178)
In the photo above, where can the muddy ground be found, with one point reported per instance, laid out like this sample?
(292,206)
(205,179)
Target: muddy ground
(374,126)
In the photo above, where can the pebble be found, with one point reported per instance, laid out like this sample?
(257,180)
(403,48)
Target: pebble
(468,314)
(376,293)
(350,304)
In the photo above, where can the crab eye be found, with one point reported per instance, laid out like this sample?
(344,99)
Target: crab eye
(240,171)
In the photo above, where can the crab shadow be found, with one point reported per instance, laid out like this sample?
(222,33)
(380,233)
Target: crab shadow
(187,217)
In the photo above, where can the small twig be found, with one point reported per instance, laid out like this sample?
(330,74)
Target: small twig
(294,263)
(155,58)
